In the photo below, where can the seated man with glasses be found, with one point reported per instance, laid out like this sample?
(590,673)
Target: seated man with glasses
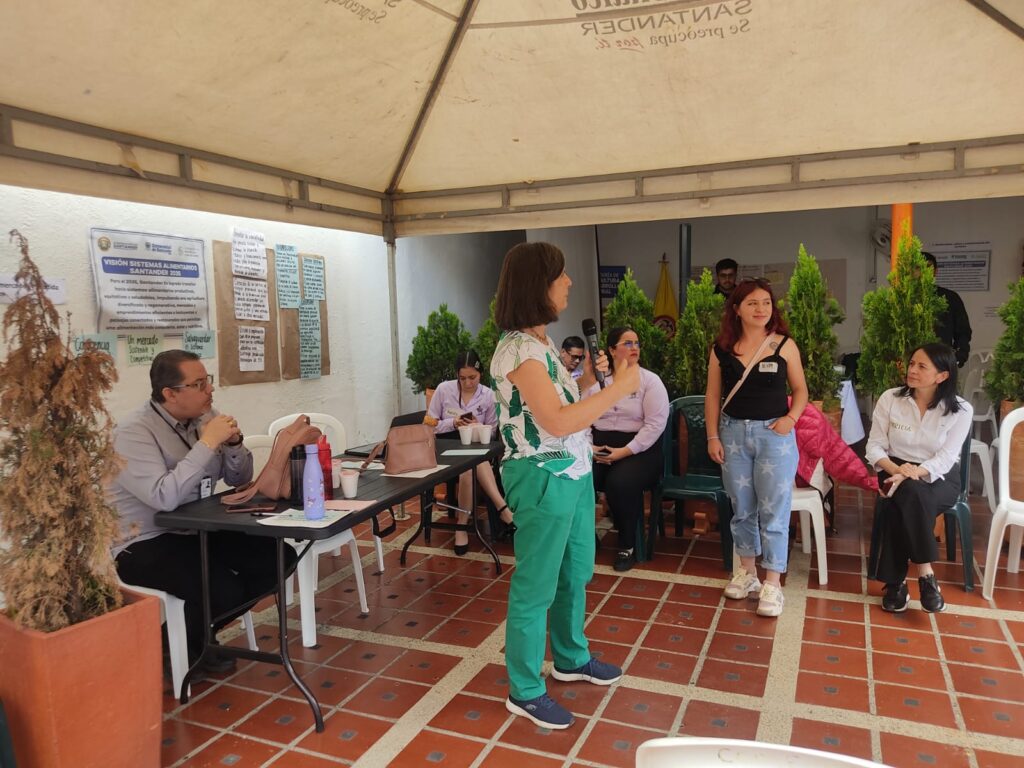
(174,449)
(572,355)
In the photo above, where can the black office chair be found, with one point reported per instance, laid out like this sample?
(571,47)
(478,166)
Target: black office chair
(406,419)
(6,743)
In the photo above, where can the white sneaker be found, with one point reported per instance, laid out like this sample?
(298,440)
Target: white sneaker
(742,585)
(770,601)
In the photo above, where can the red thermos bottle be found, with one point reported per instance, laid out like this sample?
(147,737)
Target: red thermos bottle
(324,455)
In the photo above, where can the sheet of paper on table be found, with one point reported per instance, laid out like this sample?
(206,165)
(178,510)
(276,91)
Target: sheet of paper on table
(296,518)
(358,464)
(465,452)
(419,473)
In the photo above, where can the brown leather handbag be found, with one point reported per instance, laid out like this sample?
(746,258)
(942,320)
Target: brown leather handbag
(409,448)
(274,480)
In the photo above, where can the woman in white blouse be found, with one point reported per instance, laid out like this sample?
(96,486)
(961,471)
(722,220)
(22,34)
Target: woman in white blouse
(627,445)
(917,432)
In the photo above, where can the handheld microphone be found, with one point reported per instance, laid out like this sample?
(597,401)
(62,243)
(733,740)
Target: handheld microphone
(590,334)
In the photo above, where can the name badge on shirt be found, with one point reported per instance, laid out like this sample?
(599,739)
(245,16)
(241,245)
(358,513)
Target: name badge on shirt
(767,366)
(206,487)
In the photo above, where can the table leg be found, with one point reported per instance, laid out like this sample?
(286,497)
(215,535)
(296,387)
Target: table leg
(208,636)
(282,628)
(425,512)
(479,533)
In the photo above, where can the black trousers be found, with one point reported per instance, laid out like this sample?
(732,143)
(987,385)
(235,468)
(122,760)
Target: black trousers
(625,481)
(904,526)
(242,569)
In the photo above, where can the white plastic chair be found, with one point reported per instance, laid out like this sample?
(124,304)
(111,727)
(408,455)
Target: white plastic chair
(807,501)
(1009,511)
(259,446)
(981,450)
(172,613)
(974,393)
(698,752)
(308,571)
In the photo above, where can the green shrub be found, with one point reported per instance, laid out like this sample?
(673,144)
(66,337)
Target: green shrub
(690,349)
(632,308)
(1005,378)
(487,341)
(434,349)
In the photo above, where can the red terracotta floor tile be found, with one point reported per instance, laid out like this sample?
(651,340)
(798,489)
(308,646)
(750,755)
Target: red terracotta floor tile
(635,608)
(907,752)
(605,583)
(346,735)
(1001,718)
(492,680)
(386,698)
(740,618)
(582,699)
(614,744)
(330,685)
(695,595)
(703,718)
(262,677)
(497,591)
(645,709)
(914,704)
(467,586)
(733,677)
(1005,685)
(849,583)
(523,733)
(366,657)
(910,619)
(440,563)
(1016,630)
(662,562)
(294,759)
(705,567)
(743,648)
(970,626)
(611,653)
(984,652)
(430,748)
(232,750)
(421,666)
(410,624)
(680,615)
(463,633)
(834,610)
(471,716)
(834,633)
(503,757)
(480,609)
(908,670)
(832,691)
(831,737)
(326,647)
(675,639)
(662,665)
(222,706)
(614,630)
(997,760)
(282,720)
(442,603)
(177,739)
(834,660)
(904,642)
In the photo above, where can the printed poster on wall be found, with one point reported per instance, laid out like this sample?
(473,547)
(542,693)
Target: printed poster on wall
(962,266)
(145,281)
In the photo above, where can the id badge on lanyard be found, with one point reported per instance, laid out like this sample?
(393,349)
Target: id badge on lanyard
(206,487)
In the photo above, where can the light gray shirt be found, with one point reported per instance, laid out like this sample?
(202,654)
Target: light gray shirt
(164,464)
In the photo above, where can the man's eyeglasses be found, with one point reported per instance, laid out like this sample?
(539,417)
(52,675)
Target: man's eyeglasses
(629,344)
(577,358)
(201,386)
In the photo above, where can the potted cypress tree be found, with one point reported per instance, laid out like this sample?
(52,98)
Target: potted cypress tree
(897,318)
(632,308)
(80,670)
(434,348)
(1004,381)
(811,313)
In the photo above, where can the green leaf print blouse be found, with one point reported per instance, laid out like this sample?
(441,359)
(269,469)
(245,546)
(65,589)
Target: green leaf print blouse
(524,438)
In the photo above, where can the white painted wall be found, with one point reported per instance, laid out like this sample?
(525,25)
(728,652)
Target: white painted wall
(359,389)
(458,270)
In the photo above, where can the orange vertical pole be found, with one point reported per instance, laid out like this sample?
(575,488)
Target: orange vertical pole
(902,217)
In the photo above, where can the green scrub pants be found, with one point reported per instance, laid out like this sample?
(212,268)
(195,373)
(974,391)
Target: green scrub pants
(554,548)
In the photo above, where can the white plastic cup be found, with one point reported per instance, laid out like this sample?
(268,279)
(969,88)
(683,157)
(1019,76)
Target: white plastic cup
(336,473)
(349,483)
(482,432)
(466,434)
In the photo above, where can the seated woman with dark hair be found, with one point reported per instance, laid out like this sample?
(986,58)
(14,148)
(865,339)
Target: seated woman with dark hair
(627,445)
(917,432)
(456,404)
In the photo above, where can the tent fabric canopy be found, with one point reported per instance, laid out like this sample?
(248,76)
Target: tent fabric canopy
(412,116)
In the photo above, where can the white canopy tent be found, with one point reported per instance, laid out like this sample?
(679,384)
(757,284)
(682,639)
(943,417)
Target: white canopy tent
(408,117)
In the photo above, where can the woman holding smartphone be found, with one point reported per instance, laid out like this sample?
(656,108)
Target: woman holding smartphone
(917,432)
(459,403)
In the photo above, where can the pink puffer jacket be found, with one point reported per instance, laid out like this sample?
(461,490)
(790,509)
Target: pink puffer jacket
(816,439)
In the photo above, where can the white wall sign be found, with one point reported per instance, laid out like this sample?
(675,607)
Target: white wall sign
(962,266)
(147,282)
(251,300)
(248,254)
(251,347)
(56,290)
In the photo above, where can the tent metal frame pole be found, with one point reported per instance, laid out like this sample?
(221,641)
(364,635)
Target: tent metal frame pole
(998,17)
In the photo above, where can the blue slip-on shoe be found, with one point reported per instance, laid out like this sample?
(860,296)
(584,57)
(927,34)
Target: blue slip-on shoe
(594,671)
(543,711)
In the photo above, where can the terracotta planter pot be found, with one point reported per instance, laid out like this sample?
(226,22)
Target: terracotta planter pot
(429,393)
(86,695)
(1016,448)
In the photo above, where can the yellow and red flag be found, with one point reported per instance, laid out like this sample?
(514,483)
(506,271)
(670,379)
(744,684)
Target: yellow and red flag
(666,310)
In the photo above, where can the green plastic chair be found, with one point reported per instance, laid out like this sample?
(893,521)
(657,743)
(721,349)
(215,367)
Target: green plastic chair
(959,516)
(703,478)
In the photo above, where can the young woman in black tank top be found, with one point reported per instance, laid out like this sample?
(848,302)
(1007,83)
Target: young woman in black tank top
(752,435)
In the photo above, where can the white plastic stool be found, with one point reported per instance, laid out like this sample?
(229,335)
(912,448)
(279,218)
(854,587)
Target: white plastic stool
(172,613)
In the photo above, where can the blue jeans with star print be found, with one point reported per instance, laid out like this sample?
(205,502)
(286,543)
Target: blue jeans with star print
(758,476)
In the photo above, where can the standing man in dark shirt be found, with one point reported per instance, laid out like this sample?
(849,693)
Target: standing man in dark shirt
(726,273)
(953,326)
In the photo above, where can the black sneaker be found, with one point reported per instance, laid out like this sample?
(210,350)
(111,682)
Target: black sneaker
(624,560)
(931,595)
(896,598)
(543,711)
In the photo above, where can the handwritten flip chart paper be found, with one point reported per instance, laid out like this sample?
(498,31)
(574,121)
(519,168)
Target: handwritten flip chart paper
(309,339)
(142,349)
(105,342)
(313,279)
(251,347)
(286,264)
(251,302)
(248,254)
(201,342)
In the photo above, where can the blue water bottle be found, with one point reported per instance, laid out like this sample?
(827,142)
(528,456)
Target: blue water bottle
(312,485)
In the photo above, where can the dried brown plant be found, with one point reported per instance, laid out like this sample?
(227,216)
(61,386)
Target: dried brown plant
(56,448)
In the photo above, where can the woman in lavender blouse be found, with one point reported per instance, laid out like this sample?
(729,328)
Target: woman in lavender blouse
(627,446)
(458,403)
